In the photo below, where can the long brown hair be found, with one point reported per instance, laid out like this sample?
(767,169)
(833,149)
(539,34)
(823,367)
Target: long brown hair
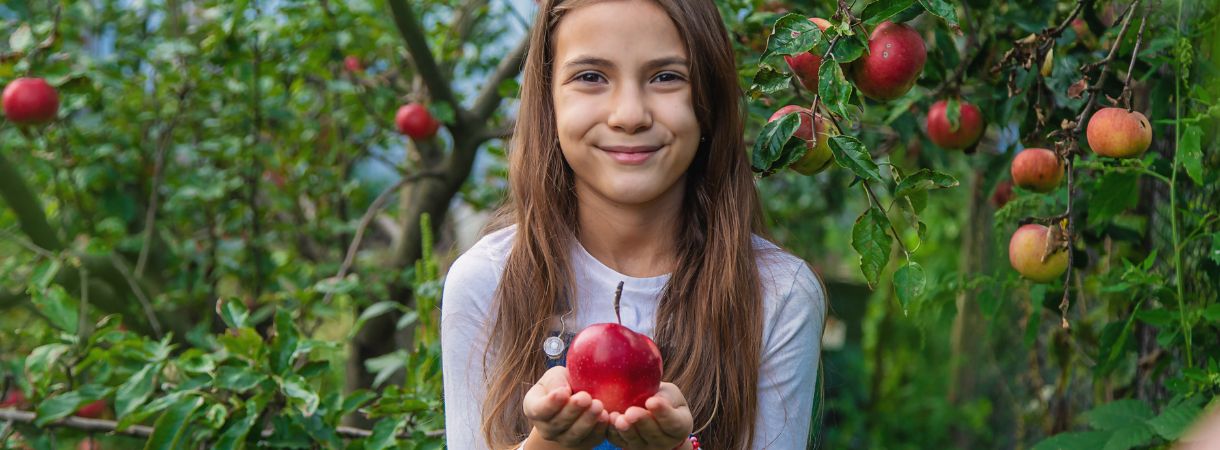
(709,320)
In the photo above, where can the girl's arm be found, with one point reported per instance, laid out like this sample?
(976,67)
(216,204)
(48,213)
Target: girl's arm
(788,376)
(465,302)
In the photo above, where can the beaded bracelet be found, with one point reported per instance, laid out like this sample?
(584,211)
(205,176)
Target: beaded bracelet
(694,443)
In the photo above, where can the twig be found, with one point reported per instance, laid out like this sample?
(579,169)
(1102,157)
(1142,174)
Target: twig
(369,213)
(150,216)
(142,431)
(1139,38)
(150,314)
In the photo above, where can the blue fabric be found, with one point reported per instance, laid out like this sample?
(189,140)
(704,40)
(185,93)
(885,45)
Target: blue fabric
(606,446)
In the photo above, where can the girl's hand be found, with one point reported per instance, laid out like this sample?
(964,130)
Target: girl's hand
(573,421)
(664,423)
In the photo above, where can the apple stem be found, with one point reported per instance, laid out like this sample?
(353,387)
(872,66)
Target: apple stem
(618,295)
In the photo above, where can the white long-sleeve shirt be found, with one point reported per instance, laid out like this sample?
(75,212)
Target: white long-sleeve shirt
(794,308)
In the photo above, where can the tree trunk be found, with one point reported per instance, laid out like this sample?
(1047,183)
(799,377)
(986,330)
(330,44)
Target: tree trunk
(968,326)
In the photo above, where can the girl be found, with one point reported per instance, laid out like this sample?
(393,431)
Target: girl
(628,165)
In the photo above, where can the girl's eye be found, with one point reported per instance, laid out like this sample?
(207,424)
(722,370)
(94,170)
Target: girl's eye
(668,77)
(590,77)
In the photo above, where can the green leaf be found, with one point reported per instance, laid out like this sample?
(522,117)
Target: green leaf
(881,10)
(44,273)
(238,379)
(233,312)
(849,48)
(908,14)
(942,9)
(58,307)
(774,141)
(1128,438)
(135,391)
(953,112)
(296,389)
(41,359)
(850,153)
(909,282)
(383,434)
(1192,153)
(64,405)
(1216,248)
(833,89)
(869,238)
(375,310)
(172,426)
(1113,193)
(1075,441)
(287,340)
(1175,419)
(924,180)
(1212,313)
(245,343)
(769,80)
(1119,414)
(22,39)
(234,435)
(356,400)
(792,34)
(196,361)
(509,88)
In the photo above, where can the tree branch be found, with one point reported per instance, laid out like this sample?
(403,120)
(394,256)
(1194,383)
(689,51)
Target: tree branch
(417,45)
(150,216)
(25,204)
(489,98)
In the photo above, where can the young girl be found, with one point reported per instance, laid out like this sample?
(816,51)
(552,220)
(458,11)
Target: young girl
(628,165)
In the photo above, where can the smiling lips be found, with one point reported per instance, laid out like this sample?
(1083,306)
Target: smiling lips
(631,155)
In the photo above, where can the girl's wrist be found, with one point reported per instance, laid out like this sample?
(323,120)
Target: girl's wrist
(691,443)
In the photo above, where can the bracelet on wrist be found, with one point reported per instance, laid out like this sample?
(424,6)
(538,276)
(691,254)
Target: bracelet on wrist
(694,443)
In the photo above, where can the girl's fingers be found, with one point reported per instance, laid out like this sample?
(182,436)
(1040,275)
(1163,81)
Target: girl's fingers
(647,427)
(576,406)
(673,421)
(582,428)
(627,427)
(541,406)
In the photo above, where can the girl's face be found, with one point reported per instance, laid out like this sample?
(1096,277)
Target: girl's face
(623,105)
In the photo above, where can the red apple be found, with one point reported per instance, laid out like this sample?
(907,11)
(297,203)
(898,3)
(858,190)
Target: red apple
(1037,169)
(414,120)
(352,63)
(969,126)
(1027,252)
(30,101)
(818,157)
(12,399)
(1002,194)
(613,364)
(895,60)
(1117,133)
(92,410)
(806,65)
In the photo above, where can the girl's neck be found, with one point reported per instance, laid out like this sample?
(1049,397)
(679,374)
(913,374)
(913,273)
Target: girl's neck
(636,240)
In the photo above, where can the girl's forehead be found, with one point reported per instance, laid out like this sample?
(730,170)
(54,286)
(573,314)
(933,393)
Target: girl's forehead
(617,30)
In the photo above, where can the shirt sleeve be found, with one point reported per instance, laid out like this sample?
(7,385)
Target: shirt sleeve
(788,375)
(465,303)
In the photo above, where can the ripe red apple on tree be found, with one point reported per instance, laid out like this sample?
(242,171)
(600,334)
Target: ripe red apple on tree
(414,120)
(614,364)
(942,133)
(12,399)
(352,63)
(30,101)
(1118,133)
(1028,254)
(818,157)
(895,60)
(92,410)
(1002,194)
(806,65)
(1037,169)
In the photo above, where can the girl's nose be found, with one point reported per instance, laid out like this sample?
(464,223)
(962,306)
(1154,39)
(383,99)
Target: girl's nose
(629,110)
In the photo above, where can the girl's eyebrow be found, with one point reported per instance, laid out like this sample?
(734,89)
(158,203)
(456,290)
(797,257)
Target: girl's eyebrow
(593,61)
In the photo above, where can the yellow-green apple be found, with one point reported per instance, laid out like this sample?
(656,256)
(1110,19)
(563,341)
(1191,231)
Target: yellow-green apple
(942,133)
(1037,169)
(818,156)
(30,101)
(1118,133)
(895,60)
(1028,254)
(806,65)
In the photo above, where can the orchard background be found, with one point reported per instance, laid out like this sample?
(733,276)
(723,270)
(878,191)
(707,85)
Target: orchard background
(223,240)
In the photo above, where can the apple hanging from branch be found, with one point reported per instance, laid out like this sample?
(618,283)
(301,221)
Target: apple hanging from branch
(414,120)
(1037,169)
(806,65)
(1034,254)
(614,364)
(818,157)
(895,58)
(1118,133)
(942,132)
(29,101)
